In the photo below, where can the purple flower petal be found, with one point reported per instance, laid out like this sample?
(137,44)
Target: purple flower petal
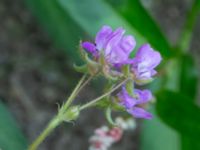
(131,104)
(144,96)
(102,37)
(125,99)
(140,113)
(145,61)
(90,47)
(128,43)
(117,56)
(113,41)
(148,57)
(120,52)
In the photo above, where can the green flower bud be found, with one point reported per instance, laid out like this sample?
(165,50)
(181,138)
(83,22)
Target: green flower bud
(71,114)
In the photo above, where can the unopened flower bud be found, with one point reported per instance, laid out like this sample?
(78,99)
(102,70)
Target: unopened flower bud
(72,113)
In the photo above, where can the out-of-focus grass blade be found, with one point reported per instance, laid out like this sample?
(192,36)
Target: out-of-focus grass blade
(187,32)
(11,138)
(134,12)
(189,77)
(59,25)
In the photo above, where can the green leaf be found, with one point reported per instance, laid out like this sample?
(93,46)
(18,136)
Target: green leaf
(197,2)
(155,135)
(189,143)
(182,76)
(59,25)
(177,111)
(11,138)
(134,12)
(189,77)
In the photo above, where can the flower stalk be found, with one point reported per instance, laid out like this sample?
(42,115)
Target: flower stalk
(73,94)
(50,127)
(59,117)
(67,113)
(95,101)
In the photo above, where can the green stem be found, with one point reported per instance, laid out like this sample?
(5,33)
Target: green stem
(58,118)
(93,102)
(129,85)
(186,35)
(51,126)
(85,83)
(73,94)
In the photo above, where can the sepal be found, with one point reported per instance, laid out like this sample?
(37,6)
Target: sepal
(81,69)
(143,82)
(93,66)
(108,113)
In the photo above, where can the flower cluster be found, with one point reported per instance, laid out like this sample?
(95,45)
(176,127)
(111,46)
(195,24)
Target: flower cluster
(110,56)
(111,51)
(104,136)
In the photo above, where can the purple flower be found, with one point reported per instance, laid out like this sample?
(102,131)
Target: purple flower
(144,63)
(133,104)
(114,46)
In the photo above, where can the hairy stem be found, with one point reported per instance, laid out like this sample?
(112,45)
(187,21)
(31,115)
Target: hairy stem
(85,83)
(51,126)
(73,94)
(57,119)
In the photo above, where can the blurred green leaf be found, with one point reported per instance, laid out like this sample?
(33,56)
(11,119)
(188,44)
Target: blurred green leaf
(189,143)
(134,12)
(189,77)
(197,2)
(11,138)
(182,76)
(59,25)
(176,110)
(156,135)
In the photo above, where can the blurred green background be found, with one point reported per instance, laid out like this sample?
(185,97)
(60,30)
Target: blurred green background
(38,46)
